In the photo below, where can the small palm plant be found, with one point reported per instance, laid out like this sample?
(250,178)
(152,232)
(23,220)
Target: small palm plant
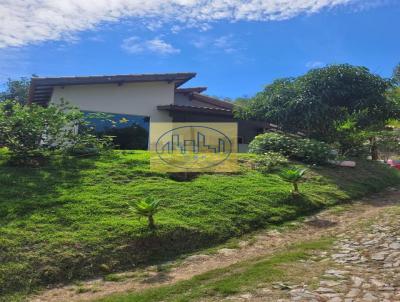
(147,207)
(294,176)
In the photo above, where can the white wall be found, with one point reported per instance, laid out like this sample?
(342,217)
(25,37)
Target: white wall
(129,98)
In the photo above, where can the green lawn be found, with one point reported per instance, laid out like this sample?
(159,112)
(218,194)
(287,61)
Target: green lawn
(70,219)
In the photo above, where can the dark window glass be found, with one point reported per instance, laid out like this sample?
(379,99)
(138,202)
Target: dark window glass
(130,132)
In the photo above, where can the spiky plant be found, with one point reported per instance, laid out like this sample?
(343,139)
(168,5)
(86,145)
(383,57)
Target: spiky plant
(294,176)
(147,207)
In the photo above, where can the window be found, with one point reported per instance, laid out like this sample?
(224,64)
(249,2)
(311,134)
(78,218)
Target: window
(129,132)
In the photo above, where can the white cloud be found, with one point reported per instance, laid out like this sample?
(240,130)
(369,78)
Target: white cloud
(31,21)
(225,43)
(200,42)
(315,64)
(96,38)
(157,45)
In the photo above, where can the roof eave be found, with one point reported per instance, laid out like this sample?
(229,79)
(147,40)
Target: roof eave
(194,109)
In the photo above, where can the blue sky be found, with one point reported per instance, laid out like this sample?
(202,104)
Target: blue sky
(234,50)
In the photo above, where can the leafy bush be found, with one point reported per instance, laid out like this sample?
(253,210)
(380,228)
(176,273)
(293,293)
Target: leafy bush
(294,176)
(303,149)
(272,142)
(30,132)
(88,144)
(265,162)
(350,141)
(312,151)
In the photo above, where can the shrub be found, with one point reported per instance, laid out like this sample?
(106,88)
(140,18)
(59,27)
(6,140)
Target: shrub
(350,141)
(272,142)
(294,176)
(312,151)
(267,162)
(303,149)
(89,145)
(31,132)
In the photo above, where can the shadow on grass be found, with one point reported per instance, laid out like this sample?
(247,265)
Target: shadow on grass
(38,188)
(371,177)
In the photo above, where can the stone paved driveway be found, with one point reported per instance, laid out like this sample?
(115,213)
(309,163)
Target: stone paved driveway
(366,266)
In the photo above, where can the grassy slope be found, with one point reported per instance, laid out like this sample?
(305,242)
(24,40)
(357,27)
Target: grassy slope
(70,219)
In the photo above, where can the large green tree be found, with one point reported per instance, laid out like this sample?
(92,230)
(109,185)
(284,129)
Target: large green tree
(315,102)
(396,74)
(16,89)
(318,102)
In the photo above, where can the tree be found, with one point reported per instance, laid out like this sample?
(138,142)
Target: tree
(267,104)
(16,90)
(396,74)
(318,101)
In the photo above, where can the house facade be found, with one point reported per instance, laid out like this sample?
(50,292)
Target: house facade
(157,97)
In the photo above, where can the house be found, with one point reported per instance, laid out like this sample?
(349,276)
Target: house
(143,97)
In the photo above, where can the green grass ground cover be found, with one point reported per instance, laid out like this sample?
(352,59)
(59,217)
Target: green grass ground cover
(70,219)
(219,283)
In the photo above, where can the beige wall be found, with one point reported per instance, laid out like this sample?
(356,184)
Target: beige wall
(129,98)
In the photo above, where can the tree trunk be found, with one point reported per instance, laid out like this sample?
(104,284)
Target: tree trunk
(374,148)
(151,222)
(295,188)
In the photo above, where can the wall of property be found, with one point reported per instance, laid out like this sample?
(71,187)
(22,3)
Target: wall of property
(247,130)
(128,98)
